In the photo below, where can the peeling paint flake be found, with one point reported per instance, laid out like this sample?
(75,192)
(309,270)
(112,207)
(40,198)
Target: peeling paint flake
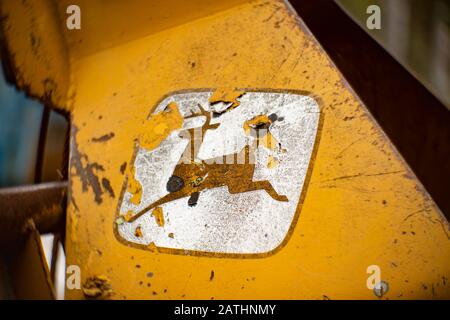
(259,128)
(159,216)
(155,130)
(229,98)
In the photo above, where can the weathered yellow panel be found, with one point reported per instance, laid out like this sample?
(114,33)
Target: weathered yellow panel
(31,34)
(108,23)
(363,206)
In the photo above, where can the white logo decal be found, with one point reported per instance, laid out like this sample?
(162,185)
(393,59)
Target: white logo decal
(228,181)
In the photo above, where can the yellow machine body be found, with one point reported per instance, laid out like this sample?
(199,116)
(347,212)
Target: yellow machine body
(362,205)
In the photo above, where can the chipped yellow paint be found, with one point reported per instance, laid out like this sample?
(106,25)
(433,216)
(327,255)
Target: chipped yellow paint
(263,137)
(138,232)
(159,216)
(155,130)
(127,217)
(134,187)
(227,95)
(362,206)
(152,247)
(272,162)
(159,126)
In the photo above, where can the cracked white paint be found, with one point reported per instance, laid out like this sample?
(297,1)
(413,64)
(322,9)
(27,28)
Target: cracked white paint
(246,223)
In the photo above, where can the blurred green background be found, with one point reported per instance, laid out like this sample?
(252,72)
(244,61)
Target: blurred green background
(416,33)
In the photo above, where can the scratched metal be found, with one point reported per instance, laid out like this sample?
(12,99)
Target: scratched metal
(246,223)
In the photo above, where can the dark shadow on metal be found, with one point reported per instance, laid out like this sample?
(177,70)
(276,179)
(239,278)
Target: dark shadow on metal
(415,120)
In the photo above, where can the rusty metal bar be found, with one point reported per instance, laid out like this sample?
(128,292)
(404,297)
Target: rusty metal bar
(44,203)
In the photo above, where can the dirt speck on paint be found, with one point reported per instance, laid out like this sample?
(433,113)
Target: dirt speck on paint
(104,137)
(123,167)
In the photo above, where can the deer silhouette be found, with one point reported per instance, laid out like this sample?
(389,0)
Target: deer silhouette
(192,175)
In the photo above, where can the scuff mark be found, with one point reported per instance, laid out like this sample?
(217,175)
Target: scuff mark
(107,187)
(359,175)
(104,137)
(442,222)
(339,155)
(87,172)
(414,213)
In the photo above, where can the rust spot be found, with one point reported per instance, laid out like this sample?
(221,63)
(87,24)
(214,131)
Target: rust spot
(211,277)
(97,287)
(123,167)
(138,232)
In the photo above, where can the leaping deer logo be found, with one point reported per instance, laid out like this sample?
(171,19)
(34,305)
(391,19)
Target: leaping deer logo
(189,178)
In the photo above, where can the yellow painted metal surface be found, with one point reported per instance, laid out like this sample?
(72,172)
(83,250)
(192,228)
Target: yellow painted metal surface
(37,54)
(363,206)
